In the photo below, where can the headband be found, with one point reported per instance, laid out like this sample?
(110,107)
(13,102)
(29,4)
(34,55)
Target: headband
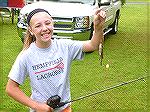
(34,12)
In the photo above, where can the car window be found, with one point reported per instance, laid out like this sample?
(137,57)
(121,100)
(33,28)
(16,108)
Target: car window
(74,1)
(115,1)
(103,1)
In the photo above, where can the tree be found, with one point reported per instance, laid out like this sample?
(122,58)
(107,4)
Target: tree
(123,2)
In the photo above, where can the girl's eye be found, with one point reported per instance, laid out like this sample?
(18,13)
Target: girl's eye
(36,26)
(48,23)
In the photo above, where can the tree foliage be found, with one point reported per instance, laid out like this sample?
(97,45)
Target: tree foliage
(123,2)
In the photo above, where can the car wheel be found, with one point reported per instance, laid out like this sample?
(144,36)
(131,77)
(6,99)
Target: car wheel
(115,26)
(91,34)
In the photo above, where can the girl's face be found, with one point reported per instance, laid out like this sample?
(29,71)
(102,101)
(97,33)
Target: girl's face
(41,26)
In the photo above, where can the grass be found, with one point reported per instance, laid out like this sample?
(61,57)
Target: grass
(126,53)
(137,0)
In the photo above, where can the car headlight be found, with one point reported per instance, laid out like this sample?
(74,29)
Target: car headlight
(82,22)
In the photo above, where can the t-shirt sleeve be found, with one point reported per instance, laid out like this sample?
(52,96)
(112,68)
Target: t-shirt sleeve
(18,71)
(75,49)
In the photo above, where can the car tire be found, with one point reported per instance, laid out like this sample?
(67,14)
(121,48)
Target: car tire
(92,29)
(114,26)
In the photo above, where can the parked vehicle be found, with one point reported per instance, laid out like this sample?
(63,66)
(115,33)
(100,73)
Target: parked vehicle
(73,19)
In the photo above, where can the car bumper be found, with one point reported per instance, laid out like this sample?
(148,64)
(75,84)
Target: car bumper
(61,34)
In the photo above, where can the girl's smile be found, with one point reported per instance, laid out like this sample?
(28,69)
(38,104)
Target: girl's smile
(41,26)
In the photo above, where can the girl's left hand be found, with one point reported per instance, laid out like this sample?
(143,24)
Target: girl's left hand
(99,20)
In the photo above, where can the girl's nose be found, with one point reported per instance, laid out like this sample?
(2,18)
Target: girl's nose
(44,28)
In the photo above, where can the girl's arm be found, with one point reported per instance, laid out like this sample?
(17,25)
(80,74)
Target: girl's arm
(13,90)
(97,38)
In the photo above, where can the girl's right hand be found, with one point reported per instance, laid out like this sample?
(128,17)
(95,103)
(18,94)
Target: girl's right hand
(42,107)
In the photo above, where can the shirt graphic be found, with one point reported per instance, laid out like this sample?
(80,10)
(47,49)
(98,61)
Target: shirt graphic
(48,69)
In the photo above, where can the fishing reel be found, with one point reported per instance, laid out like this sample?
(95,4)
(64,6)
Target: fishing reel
(54,102)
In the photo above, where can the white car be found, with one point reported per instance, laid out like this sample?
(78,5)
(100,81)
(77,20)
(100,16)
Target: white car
(73,19)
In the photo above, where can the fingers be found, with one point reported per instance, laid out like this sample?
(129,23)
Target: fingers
(99,19)
(97,11)
(102,14)
(43,108)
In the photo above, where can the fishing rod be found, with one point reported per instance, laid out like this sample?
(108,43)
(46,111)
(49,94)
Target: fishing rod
(54,101)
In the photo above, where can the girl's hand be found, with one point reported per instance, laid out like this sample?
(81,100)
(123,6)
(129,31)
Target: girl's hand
(42,107)
(99,20)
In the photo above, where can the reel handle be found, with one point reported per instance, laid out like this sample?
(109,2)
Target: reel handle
(54,102)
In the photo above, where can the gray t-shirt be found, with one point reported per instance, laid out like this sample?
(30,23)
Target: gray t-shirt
(48,69)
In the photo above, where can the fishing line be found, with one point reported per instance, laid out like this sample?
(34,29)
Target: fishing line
(54,101)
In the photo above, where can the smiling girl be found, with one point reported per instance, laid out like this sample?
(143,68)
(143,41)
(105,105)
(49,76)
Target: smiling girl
(47,62)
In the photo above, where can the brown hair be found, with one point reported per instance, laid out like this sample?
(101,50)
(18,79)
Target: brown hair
(28,39)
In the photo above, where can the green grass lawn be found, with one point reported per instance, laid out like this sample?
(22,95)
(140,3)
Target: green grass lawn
(126,53)
(137,0)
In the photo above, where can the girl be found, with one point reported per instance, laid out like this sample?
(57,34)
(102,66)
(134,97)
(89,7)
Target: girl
(47,62)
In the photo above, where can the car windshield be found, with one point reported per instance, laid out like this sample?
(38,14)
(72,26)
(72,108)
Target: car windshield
(103,1)
(73,1)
